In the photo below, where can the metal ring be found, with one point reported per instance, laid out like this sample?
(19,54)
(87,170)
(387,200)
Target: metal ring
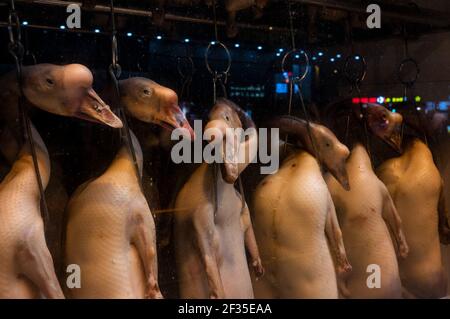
(402,66)
(116,70)
(191,67)
(13,19)
(359,77)
(114,50)
(297,79)
(17,50)
(227,70)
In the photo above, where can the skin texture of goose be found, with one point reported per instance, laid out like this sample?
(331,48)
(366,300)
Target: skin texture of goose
(110,230)
(26,266)
(294,216)
(366,213)
(416,187)
(210,245)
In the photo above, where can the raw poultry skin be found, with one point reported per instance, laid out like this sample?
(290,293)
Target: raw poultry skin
(415,185)
(26,266)
(365,213)
(110,230)
(293,218)
(210,245)
(110,234)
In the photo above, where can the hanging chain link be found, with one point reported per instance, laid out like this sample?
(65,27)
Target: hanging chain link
(297,81)
(16,49)
(115,71)
(219,78)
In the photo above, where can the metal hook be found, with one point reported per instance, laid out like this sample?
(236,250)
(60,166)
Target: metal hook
(355,79)
(208,66)
(408,83)
(300,78)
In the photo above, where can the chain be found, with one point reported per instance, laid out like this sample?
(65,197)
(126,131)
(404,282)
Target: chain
(115,71)
(16,49)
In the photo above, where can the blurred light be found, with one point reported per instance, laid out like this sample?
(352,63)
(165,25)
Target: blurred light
(443,105)
(281,88)
(25,23)
(278,54)
(357,57)
(314,58)
(418,108)
(237,45)
(97,30)
(380,99)
(320,54)
(280,50)
(332,59)
(448,129)
(364,100)
(270,28)
(259,47)
(159,37)
(388,100)
(394,110)
(187,40)
(62,27)
(373,100)
(338,56)
(297,56)
(418,99)
(129,34)
(356,100)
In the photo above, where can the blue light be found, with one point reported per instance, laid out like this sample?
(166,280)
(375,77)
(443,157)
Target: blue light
(237,45)
(380,99)
(97,31)
(25,23)
(302,52)
(213,42)
(320,54)
(187,40)
(297,56)
(62,27)
(332,59)
(281,88)
(338,56)
(260,47)
(278,54)
(443,105)
(280,50)
(159,37)
(314,58)
(129,34)
(357,57)
(394,111)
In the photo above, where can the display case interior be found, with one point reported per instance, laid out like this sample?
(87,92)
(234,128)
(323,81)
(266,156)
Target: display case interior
(337,169)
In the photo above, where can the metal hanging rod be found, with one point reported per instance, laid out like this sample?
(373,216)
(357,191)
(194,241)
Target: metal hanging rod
(421,16)
(149,14)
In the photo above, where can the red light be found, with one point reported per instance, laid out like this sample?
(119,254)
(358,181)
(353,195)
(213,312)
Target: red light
(355,100)
(364,100)
(373,100)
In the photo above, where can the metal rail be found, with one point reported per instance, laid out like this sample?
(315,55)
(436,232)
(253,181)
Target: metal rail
(409,14)
(149,14)
(420,16)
